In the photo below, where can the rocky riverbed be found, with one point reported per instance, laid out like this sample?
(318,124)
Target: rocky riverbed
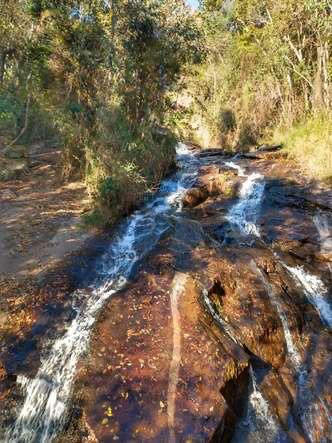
(205,317)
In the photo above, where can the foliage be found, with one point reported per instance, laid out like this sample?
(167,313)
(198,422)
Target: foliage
(268,64)
(97,75)
(310,143)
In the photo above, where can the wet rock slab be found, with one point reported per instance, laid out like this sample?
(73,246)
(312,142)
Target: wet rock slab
(155,372)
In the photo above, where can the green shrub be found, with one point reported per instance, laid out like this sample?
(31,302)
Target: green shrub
(310,143)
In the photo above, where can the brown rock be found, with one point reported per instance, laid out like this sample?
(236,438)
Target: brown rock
(218,181)
(245,305)
(194,197)
(296,437)
(3,372)
(278,396)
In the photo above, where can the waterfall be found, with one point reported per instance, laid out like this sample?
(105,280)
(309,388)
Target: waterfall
(315,291)
(313,411)
(43,413)
(244,214)
(312,408)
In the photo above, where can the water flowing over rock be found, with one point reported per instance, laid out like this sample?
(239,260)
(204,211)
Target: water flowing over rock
(325,234)
(44,410)
(316,292)
(245,213)
(207,319)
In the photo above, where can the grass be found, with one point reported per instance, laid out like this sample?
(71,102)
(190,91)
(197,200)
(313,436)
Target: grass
(310,144)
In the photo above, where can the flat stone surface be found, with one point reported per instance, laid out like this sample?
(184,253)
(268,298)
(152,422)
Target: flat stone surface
(155,372)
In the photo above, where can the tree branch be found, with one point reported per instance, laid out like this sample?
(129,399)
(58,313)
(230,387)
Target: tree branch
(298,73)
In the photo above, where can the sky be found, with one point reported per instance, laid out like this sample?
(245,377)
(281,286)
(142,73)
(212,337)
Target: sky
(193,3)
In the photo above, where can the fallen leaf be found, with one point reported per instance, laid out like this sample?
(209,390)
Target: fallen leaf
(109,412)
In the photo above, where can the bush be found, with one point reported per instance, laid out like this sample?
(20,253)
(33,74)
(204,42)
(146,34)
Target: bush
(228,121)
(310,143)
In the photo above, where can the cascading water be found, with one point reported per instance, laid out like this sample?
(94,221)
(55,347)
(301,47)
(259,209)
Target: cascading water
(244,214)
(312,413)
(43,413)
(324,231)
(291,348)
(315,291)
(240,171)
(259,425)
(325,235)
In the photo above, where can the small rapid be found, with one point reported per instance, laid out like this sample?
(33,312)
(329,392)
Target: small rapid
(312,413)
(245,212)
(315,290)
(44,411)
(325,236)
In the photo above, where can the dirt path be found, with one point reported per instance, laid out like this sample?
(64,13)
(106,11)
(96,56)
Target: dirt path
(40,227)
(40,220)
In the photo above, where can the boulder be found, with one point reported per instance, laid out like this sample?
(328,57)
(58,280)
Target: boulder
(195,196)
(224,184)
(219,181)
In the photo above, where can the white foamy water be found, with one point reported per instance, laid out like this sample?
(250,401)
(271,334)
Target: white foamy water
(244,214)
(259,414)
(315,291)
(317,422)
(324,231)
(259,425)
(178,284)
(325,235)
(43,413)
(314,414)
(238,168)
